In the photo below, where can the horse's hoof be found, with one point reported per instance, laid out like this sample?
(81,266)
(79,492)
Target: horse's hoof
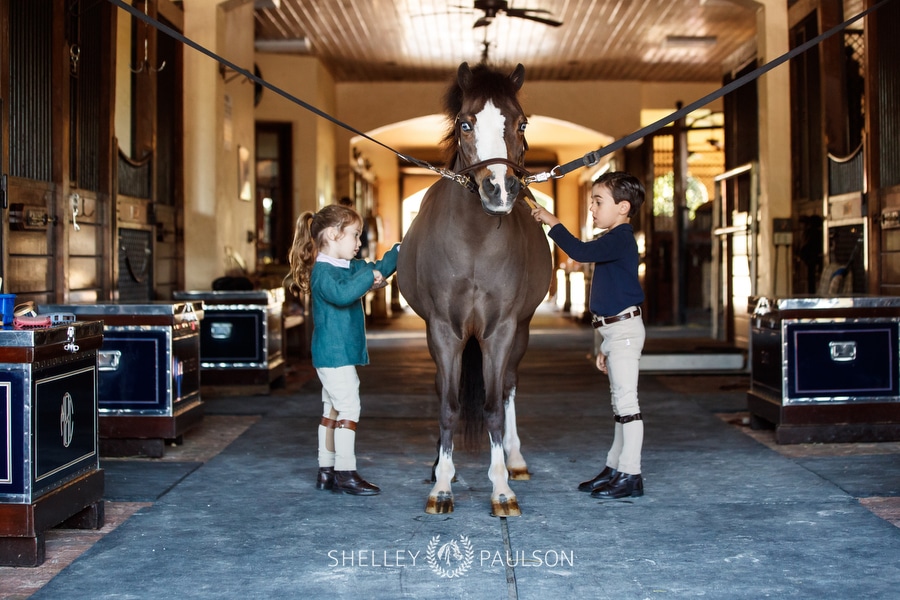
(505,507)
(440,505)
(519,474)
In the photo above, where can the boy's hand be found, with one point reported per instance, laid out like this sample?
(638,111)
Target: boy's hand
(601,363)
(541,215)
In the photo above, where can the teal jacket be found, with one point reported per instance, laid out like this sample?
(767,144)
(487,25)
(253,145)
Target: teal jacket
(339,322)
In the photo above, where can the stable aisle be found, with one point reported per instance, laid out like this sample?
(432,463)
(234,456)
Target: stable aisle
(723,515)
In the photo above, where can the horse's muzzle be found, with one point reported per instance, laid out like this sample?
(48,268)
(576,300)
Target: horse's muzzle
(497,200)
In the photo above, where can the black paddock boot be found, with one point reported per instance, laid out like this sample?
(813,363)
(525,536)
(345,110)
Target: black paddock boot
(622,485)
(325,478)
(349,482)
(600,480)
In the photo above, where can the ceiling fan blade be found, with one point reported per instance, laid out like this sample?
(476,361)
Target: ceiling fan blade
(483,22)
(521,11)
(525,13)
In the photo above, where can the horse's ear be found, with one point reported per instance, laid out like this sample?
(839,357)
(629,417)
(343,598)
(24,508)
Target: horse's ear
(464,76)
(518,76)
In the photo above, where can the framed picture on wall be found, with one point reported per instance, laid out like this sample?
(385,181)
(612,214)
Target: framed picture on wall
(244,190)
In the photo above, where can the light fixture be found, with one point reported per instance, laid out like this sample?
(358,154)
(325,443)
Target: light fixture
(289,46)
(258,4)
(690,41)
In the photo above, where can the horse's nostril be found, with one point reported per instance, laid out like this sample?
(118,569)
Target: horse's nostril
(489,188)
(513,186)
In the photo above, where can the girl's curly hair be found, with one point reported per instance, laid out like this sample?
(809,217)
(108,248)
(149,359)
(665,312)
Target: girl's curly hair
(309,237)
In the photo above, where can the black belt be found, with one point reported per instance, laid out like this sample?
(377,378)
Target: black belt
(601,321)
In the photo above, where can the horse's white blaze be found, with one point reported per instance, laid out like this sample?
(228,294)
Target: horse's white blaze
(490,125)
(498,473)
(443,473)
(511,443)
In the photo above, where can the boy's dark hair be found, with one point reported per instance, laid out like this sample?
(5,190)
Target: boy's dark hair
(623,186)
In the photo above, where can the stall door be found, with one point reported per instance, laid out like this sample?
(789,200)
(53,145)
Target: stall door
(31,221)
(53,80)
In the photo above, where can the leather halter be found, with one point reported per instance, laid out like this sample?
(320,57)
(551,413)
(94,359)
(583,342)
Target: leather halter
(465,180)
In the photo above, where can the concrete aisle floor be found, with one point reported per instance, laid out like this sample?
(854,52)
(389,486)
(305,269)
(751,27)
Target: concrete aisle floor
(727,513)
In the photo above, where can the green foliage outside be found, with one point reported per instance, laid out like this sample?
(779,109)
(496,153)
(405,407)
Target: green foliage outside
(664,193)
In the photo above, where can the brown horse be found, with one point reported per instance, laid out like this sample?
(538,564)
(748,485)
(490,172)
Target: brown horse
(475,265)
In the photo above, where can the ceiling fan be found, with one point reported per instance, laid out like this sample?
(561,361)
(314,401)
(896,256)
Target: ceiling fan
(493,7)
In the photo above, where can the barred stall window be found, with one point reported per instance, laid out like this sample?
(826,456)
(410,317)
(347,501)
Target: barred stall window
(84,36)
(888,89)
(30,102)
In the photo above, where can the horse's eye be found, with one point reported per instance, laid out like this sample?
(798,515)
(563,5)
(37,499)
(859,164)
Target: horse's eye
(523,126)
(465,127)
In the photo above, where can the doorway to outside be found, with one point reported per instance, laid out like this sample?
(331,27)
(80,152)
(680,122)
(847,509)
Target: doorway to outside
(274,211)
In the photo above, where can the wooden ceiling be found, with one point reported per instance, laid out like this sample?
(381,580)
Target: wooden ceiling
(425,40)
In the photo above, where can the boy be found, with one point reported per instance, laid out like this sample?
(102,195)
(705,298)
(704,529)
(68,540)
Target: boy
(616,298)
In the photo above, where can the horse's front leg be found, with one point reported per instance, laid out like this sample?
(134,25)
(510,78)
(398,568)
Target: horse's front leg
(440,498)
(503,499)
(446,358)
(515,462)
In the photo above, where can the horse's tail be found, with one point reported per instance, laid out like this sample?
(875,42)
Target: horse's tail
(472,395)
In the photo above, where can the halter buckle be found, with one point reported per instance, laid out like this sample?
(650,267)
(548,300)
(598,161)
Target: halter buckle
(463,180)
(537,178)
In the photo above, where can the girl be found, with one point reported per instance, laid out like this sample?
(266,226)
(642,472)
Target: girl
(323,264)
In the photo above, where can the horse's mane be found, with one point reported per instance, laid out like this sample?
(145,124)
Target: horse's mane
(487,83)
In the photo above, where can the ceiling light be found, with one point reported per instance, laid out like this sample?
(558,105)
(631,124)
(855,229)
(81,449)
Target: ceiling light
(690,41)
(291,46)
(276,4)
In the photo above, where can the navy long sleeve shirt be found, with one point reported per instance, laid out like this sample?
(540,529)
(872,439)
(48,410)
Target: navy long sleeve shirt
(615,285)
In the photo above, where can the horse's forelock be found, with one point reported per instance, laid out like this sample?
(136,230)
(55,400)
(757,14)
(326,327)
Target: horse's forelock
(483,83)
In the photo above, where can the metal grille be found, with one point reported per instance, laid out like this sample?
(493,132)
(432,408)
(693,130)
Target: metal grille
(855,43)
(134,177)
(168,119)
(30,108)
(846,248)
(135,265)
(846,172)
(85,34)
(808,153)
(845,176)
(889,92)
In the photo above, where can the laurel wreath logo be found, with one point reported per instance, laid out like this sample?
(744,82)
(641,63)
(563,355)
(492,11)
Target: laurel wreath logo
(450,559)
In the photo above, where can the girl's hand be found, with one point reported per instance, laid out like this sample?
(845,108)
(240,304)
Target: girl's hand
(601,363)
(379,280)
